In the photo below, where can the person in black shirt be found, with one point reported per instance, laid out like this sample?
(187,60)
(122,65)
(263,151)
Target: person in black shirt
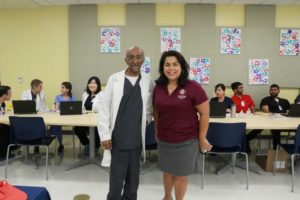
(90,103)
(220,96)
(297,100)
(5,95)
(271,104)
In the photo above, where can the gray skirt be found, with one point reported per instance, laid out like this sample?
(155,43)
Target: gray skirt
(180,159)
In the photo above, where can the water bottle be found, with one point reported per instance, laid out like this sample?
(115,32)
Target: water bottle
(233,110)
(241,115)
(2,111)
(248,112)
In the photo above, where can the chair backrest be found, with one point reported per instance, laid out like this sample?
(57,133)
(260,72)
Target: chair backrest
(297,140)
(227,135)
(150,134)
(27,128)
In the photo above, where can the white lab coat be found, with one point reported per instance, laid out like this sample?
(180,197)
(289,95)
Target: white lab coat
(40,99)
(96,101)
(109,107)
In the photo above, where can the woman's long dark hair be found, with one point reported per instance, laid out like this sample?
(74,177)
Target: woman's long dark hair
(97,80)
(68,85)
(162,79)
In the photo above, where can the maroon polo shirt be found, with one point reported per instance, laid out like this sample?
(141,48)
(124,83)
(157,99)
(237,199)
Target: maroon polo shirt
(177,116)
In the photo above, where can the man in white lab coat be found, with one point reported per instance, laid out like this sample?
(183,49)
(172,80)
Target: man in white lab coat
(124,110)
(36,93)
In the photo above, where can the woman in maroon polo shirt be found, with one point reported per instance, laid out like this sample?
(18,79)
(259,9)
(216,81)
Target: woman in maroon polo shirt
(180,133)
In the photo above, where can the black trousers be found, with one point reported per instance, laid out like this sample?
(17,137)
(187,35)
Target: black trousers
(124,174)
(82,133)
(4,139)
(252,134)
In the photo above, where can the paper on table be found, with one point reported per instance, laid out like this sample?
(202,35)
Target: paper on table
(106,158)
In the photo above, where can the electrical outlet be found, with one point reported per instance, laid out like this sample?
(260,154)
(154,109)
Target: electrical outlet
(20,80)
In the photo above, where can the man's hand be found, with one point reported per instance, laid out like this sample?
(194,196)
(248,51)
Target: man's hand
(106,144)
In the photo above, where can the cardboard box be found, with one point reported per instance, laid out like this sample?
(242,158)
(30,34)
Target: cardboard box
(266,158)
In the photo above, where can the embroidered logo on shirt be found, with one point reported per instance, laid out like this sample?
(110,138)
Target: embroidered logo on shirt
(182,94)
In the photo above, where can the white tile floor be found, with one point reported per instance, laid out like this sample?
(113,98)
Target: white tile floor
(92,180)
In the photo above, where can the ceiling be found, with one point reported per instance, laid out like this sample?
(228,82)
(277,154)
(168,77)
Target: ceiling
(14,4)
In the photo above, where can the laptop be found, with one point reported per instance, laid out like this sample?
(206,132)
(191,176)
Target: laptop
(71,108)
(217,109)
(24,106)
(294,111)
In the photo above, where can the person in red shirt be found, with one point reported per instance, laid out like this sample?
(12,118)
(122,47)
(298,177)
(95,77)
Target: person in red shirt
(180,133)
(242,101)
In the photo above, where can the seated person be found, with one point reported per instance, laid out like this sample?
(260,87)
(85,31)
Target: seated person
(297,100)
(36,94)
(220,96)
(271,104)
(242,101)
(5,95)
(66,95)
(90,102)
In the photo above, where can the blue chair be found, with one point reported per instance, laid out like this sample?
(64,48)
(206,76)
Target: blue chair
(150,146)
(150,137)
(293,150)
(29,131)
(227,138)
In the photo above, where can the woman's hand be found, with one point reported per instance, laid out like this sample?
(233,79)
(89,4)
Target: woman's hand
(107,145)
(204,145)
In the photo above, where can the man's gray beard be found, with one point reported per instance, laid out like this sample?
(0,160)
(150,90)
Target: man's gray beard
(136,68)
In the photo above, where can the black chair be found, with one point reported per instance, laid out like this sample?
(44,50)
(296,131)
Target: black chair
(227,138)
(29,131)
(150,137)
(293,150)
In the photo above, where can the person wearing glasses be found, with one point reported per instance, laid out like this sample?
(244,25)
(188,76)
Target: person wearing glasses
(124,110)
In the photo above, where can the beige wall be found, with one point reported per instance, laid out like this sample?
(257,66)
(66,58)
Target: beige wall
(34,44)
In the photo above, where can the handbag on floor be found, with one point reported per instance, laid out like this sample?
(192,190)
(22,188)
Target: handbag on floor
(9,192)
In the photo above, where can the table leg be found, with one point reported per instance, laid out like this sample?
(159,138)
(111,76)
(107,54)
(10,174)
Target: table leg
(92,157)
(253,166)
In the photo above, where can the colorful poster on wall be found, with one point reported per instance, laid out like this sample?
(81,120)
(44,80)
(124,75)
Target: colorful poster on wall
(146,66)
(231,41)
(110,38)
(258,71)
(200,70)
(170,39)
(289,42)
